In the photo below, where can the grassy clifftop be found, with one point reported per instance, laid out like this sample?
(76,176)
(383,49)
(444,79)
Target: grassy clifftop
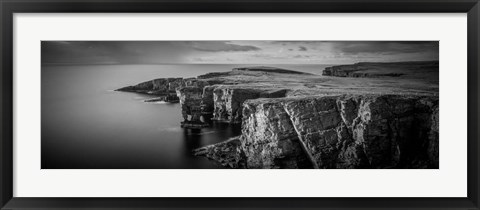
(382,69)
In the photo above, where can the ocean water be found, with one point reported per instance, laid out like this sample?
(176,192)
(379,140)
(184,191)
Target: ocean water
(86,125)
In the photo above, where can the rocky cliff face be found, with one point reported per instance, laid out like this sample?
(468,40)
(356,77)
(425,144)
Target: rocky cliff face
(187,91)
(228,100)
(207,103)
(299,120)
(221,102)
(194,103)
(190,99)
(344,131)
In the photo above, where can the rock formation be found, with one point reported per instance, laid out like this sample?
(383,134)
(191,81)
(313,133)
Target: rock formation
(291,119)
(228,100)
(344,131)
(269,70)
(163,87)
(190,100)
(188,91)
(228,153)
(367,69)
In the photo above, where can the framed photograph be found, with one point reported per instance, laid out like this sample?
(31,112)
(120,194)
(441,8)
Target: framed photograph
(239,105)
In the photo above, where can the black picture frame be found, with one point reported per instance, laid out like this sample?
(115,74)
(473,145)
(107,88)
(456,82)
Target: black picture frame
(10,7)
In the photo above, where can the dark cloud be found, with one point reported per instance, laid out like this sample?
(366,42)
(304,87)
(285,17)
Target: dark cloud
(125,52)
(386,47)
(217,46)
(106,52)
(166,52)
(77,52)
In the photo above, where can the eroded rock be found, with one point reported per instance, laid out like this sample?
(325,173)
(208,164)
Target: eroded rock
(228,153)
(343,131)
(282,110)
(228,100)
(190,100)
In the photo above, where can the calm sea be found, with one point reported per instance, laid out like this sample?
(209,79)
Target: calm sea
(86,125)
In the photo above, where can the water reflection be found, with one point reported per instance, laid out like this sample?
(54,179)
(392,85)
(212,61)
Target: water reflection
(195,138)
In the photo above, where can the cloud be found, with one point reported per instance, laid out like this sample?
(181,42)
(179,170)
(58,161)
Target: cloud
(120,52)
(166,52)
(217,46)
(386,47)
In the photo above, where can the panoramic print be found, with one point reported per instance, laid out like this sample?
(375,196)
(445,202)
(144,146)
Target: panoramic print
(240,104)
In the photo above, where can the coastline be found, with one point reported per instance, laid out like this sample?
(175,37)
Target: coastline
(375,106)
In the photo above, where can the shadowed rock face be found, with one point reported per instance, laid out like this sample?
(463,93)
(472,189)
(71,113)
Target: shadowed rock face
(228,100)
(345,131)
(366,69)
(207,103)
(219,102)
(191,98)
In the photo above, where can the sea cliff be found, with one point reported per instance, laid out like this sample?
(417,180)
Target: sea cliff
(372,69)
(292,119)
(342,131)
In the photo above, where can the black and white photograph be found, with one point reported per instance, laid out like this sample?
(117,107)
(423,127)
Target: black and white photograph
(238,104)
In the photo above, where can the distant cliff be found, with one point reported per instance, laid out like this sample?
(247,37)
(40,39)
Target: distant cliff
(162,86)
(370,69)
(270,70)
(299,120)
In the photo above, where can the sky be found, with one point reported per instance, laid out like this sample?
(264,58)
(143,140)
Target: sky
(236,52)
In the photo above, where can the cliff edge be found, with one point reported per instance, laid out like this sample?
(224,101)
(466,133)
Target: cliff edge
(291,119)
(393,69)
